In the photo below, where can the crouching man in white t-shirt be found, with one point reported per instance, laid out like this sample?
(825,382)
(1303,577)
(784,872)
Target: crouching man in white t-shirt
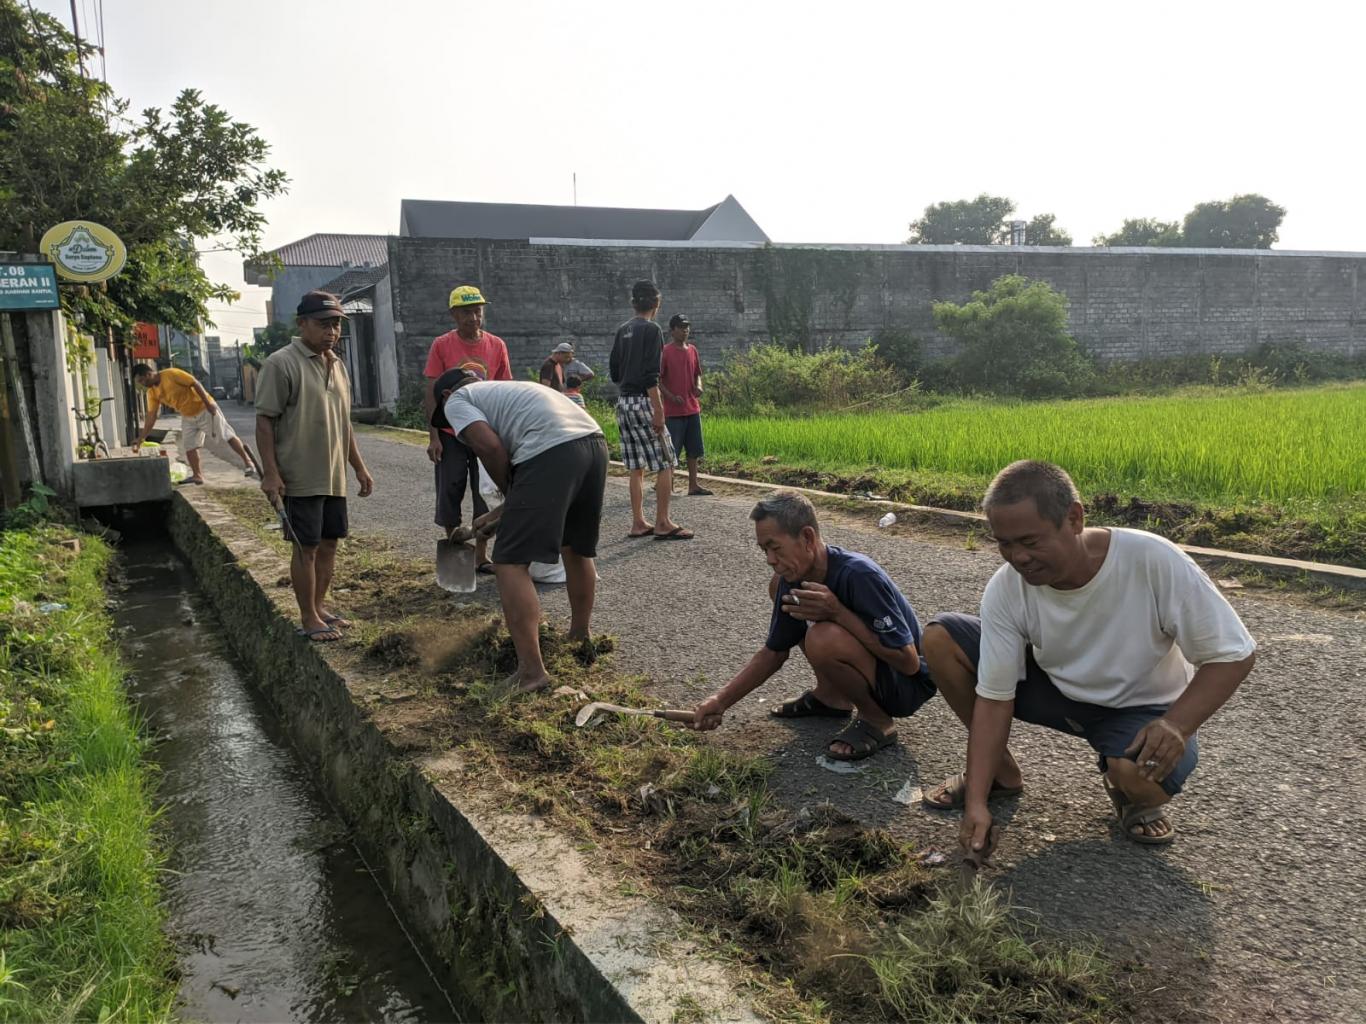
(1111,635)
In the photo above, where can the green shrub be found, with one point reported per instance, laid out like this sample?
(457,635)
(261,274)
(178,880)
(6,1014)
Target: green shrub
(770,377)
(903,351)
(408,410)
(1014,340)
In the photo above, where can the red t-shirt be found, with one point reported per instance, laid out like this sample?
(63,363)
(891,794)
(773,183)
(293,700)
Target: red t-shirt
(678,370)
(487,357)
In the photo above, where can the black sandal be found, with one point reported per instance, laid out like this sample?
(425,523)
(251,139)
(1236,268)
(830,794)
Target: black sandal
(808,705)
(865,740)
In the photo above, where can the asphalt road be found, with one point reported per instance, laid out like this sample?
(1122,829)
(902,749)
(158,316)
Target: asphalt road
(1255,913)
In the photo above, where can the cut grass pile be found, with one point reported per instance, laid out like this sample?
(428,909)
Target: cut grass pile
(80,922)
(836,921)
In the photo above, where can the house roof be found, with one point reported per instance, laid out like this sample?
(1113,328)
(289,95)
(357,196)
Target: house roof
(325,250)
(357,279)
(428,218)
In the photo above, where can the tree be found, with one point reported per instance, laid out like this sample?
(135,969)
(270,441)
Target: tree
(67,151)
(980,221)
(1243,222)
(1014,339)
(1142,231)
(1040,231)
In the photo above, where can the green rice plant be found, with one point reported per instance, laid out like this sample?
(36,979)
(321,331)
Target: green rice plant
(1293,444)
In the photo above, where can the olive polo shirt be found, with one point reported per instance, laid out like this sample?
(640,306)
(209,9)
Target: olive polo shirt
(310,403)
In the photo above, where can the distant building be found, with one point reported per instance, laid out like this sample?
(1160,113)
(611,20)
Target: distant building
(727,221)
(311,262)
(381,357)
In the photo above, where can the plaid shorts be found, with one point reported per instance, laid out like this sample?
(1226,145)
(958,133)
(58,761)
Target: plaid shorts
(641,447)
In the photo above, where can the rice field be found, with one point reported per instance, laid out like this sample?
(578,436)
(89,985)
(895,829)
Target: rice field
(1212,446)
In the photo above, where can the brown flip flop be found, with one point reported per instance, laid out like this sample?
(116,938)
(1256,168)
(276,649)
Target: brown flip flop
(955,788)
(677,533)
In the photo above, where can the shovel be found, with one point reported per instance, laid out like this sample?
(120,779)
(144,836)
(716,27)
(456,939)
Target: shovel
(455,567)
(455,564)
(587,712)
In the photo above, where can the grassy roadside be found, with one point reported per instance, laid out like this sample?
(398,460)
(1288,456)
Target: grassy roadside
(80,922)
(830,920)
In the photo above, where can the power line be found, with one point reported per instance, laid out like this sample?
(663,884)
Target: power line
(104,67)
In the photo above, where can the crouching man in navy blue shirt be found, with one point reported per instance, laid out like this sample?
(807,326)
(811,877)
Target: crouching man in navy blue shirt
(859,634)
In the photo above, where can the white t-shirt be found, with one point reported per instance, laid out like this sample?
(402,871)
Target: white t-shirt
(529,418)
(1130,636)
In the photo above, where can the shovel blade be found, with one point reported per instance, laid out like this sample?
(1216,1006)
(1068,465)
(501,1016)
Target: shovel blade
(455,567)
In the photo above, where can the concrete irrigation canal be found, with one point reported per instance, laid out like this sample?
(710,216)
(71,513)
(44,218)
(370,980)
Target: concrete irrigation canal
(274,913)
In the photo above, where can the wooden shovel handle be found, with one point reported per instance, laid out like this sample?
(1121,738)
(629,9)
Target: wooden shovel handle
(673,715)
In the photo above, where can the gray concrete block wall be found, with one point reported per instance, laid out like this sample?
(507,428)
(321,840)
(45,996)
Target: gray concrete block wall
(1124,304)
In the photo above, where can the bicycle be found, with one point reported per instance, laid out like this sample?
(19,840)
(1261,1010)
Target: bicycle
(89,444)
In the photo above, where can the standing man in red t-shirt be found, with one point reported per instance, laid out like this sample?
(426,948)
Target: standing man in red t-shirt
(680,385)
(468,347)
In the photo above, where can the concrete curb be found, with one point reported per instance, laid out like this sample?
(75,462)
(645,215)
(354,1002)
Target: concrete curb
(518,919)
(1322,572)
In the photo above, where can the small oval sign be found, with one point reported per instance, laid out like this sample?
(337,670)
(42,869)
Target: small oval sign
(84,251)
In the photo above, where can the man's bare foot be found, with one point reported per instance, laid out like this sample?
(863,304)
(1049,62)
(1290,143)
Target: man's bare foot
(517,683)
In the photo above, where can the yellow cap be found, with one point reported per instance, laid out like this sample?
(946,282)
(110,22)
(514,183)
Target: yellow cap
(467,295)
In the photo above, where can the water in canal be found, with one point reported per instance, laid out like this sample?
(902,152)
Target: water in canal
(273,911)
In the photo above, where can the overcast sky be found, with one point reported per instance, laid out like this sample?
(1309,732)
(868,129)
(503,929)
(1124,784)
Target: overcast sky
(830,122)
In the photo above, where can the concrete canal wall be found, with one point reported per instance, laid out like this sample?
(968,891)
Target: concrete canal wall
(515,916)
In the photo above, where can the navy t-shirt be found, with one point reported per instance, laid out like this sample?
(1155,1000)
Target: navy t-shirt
(865,589)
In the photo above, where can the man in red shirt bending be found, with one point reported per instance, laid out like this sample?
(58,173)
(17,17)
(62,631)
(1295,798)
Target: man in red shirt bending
(680,386)
(468,347)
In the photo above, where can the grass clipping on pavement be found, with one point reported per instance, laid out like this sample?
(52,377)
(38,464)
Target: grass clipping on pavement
(80,920)
(832,920)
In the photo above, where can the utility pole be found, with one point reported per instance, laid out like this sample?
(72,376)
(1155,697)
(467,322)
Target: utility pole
(576,188)
(76,31)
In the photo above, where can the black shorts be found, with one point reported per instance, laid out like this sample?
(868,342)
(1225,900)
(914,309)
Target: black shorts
(457,466)
(900,696)
(316,518)
(686,432)
(554,501)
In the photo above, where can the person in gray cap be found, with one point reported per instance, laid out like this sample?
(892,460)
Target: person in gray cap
(553,370)
(303,430)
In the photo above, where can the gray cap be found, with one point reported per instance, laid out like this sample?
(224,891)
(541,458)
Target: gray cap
(564,346)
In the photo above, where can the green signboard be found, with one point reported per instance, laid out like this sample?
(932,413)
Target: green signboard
(28,286)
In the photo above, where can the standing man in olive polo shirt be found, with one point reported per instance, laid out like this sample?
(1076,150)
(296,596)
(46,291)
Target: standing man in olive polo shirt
(303,428)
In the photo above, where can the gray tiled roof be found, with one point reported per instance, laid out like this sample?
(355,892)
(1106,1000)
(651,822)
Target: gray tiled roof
(427,218)
(328,250)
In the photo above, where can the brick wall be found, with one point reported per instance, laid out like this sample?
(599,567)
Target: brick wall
(1125,304)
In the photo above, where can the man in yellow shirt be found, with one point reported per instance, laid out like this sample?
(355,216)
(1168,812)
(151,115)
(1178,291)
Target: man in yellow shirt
(202,423)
